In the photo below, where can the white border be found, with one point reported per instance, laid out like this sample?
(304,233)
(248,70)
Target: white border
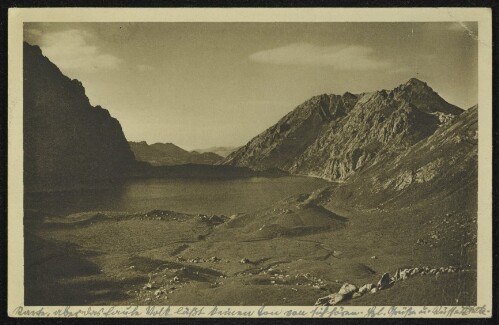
(18,16)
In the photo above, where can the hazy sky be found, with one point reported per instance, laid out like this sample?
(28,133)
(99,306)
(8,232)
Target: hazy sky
(220,84)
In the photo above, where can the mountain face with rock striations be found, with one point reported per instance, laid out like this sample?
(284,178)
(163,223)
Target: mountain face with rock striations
(168,154)
(65,137)
(440,168)
(333,136)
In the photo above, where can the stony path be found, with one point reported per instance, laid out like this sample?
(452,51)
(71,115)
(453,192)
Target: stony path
(351,291)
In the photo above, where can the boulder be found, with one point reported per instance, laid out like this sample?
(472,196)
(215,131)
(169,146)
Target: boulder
(330,300)
(385,281)
(347,289)
(404,274)
(356,295)
(396,277)
(366,288)
(374,290)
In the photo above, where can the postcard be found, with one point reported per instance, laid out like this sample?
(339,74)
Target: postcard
(237,162)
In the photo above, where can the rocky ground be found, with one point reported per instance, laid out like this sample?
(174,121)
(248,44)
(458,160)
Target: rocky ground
(297,252)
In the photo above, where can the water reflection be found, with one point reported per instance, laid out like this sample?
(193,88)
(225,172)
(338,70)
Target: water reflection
(182,195)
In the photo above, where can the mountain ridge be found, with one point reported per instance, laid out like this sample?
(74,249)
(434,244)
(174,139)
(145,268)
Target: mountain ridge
(223,151)
(333,136)
(167,154)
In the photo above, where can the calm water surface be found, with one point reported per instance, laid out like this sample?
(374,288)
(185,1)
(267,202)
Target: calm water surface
(182,195)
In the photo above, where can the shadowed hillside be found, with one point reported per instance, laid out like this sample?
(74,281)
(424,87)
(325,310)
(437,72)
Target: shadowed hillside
(66,138)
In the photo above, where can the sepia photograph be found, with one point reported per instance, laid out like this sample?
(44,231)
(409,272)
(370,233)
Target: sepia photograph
(230,162)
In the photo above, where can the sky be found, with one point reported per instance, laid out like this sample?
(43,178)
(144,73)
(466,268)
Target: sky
(200,85)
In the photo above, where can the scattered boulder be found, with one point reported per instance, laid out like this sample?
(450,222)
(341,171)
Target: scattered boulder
(396,277)
(350,291)
(158,292)
(385,281)
(330,300)
(244,261)
(347,289)
(366,288)
(404,274)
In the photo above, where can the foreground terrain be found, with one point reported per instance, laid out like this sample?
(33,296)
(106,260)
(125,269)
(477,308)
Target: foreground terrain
(291,254)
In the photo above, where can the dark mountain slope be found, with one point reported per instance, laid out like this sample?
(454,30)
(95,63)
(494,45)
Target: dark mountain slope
(333,137)
(65,138)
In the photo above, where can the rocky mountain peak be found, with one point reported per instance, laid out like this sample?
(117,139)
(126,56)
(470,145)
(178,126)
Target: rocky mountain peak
(334,136)
(414,85)
(422,96)
(416,82)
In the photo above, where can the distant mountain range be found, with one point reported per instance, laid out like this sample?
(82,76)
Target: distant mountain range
(221,151)
(389,140)
(168,154)
(335,136)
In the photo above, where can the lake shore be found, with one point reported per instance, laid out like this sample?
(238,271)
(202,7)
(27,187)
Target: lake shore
(291,252)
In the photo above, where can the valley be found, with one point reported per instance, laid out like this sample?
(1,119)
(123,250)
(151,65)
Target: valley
(339,192)
(284,255)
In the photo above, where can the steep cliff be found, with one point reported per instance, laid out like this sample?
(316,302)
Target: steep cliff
(333,137)
(66,138)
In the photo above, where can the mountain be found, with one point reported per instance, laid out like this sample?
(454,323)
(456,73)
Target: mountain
(221,151)
(335,136)
(440,170)
(65,137)
(166,154)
